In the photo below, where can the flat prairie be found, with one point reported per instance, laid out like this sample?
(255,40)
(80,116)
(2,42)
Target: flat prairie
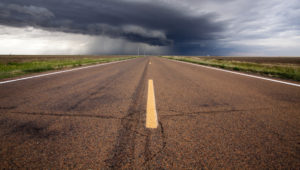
(19,65)
(280,67)
(28,58)
(267,60)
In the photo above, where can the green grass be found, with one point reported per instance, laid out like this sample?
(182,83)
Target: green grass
(291,72)
(12,69)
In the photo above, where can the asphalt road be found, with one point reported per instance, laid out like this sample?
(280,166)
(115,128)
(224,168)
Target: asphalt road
(94,118)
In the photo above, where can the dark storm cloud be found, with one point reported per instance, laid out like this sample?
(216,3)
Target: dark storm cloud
(151,23)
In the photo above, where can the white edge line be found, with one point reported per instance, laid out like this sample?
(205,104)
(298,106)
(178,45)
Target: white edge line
(58,72)
(242,74)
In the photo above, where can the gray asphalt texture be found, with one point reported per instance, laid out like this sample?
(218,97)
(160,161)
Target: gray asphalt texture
(95,119)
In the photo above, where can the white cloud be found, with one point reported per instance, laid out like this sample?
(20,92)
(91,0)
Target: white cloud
(35,41)
(31,40)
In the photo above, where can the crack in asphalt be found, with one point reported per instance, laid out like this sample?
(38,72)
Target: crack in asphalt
(71,115)
(7,108)
(207,112)
(148,156)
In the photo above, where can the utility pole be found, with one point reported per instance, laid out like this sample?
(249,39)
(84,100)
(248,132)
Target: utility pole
(145,48)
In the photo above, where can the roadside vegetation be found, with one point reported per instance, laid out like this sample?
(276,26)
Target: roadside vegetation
(286,71)
(11,68)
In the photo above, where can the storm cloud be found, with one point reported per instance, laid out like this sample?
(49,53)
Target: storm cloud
(192,27)
(146,22)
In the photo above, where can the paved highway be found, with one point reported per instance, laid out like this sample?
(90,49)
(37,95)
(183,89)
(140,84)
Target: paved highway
(149,113)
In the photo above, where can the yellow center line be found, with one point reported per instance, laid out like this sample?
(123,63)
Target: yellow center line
(151,117)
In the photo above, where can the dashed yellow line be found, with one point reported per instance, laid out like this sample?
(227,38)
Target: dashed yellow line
(151,117)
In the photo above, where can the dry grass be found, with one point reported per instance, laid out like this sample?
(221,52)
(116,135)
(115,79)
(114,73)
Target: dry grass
(12,66)
(281,70)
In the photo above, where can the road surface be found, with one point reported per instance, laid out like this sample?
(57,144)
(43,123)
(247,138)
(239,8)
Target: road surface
(95,118)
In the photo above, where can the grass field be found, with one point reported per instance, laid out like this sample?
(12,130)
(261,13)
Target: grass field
(290,70)
(12,66)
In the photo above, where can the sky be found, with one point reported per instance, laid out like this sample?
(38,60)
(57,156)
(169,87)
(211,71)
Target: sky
(156,27)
